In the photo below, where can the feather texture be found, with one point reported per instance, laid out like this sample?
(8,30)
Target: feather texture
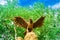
(30,25)
(39,22)
(20,21)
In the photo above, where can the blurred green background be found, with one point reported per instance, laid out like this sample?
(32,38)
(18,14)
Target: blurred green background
(49,31)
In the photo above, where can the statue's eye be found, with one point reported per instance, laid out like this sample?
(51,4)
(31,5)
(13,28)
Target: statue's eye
(30,29)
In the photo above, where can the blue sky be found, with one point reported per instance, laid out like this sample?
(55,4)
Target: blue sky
(47,3)
(30,2)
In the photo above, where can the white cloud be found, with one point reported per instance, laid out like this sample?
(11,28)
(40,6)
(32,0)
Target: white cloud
(3,2)
(30,6)
(56,6)
(11,0)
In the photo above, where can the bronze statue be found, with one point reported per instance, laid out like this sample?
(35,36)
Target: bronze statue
(29,25)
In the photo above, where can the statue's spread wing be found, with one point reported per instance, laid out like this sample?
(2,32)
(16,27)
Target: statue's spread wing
(39,22)
(20,22)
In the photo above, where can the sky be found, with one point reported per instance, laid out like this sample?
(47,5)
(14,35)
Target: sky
(47,3)
(30,2)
